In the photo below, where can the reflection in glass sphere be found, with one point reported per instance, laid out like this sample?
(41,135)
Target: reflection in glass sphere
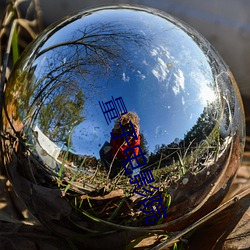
(117,105)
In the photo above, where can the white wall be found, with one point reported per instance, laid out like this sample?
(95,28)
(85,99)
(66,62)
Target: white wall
(47,150)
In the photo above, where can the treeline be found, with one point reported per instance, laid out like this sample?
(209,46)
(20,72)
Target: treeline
(165,155)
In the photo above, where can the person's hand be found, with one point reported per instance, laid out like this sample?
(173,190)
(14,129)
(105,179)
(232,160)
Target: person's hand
(137,131)
(131,137)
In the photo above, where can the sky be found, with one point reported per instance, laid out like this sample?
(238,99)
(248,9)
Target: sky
(163,75)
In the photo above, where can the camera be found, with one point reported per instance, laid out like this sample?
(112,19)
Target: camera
(128,128)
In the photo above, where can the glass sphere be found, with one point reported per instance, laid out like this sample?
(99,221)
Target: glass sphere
(121,119)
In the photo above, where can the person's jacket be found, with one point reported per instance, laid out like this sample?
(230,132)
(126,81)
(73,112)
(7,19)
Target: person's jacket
(116,146)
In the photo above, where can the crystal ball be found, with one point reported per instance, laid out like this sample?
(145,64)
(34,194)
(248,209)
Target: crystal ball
(121,119)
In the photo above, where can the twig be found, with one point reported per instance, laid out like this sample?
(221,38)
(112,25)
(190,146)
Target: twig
(176,238)
(5,64)
(38,15)
(111,164)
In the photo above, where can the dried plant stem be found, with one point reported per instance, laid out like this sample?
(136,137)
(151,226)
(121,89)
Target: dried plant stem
(5,64)
(38,15)
(169,242)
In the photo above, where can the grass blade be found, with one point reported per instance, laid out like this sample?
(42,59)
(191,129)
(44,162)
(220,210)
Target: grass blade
(14,45)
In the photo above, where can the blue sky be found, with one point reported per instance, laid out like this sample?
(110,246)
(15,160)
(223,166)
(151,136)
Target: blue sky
(166,79)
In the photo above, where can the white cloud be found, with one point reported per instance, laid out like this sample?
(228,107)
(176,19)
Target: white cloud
(206,93)
(125,78)
(159,132)
(179,82)
(183,100)
(142,76)
(154,52)
(161,70)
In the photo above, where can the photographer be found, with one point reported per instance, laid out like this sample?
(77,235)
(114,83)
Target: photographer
(120,144)
(112,154)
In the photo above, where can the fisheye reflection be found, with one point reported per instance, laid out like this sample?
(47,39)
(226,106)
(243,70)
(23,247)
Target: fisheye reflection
(98,62)
(125,143)
(100,103)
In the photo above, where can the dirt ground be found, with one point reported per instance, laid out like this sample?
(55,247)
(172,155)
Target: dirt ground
(229,229)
